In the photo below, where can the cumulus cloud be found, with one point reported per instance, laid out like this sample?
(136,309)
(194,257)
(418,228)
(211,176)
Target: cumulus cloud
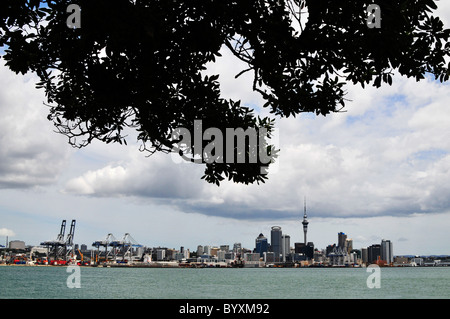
(156,177)
(7,232)
(30,153)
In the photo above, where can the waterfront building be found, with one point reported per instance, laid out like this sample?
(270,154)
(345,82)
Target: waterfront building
(261,245)
(251,257)
(199,250)
(221,255)
(285,246)
(237,248)
(17,244)
(307,250)
(140,251)
(160,254)
(401,260)
(330,249)
(318,256)
(276,242)
(213,251)
(207,259)
(225,248)
(269,257)
(207,250)
(373,253)
(252,260)
(387,251)
(364,255)
(178,256)
(229,255)
(353,258)
(342,237)
(185,253)
(295,257)
(349,245)
(417,261)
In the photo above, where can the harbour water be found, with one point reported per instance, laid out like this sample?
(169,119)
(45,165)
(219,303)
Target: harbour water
(230,283)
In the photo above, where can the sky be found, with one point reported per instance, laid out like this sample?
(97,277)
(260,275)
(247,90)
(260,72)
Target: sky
(379,170)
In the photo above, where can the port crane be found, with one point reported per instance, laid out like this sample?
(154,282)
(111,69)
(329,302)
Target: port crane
(69,247)
(54,245)
(119,247)
(127,243)
(59,246)
(109,241)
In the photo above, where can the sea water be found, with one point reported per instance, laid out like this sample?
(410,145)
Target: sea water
(56,282)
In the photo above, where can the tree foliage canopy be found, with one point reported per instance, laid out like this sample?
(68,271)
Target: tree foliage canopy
(139,63)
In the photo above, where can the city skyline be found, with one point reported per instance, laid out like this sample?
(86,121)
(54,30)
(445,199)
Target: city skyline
(279,243)
(378,170)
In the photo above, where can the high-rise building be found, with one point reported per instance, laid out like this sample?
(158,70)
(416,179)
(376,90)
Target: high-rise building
(275,241)
(341,240)
(261,245)
(221,255)
(330,249)
(207,250)
(349,245)
(306,250)
(364,255)
(225,248)
(373,252)
(386,251)
(160,254)
(285,246)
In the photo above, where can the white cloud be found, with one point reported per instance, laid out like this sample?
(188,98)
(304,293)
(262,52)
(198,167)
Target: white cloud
(443,12)
(30,152)
(6,232)
(136,175)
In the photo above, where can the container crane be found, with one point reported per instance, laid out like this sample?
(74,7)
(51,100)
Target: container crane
(53,246)
(69,240)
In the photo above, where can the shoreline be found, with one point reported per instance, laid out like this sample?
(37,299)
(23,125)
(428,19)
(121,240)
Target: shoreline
(156,265)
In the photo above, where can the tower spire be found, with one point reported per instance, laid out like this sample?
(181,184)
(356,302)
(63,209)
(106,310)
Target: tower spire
(305,222)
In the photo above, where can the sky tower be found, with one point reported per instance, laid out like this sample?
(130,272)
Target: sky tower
(305,223)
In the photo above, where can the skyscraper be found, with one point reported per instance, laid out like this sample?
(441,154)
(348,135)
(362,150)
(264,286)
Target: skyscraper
(305,223)
(349,245)
(237,248)
(386,251)
(261,245)
(275,241)
(364,255)
(285,246)
(341,240)
(373,252)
